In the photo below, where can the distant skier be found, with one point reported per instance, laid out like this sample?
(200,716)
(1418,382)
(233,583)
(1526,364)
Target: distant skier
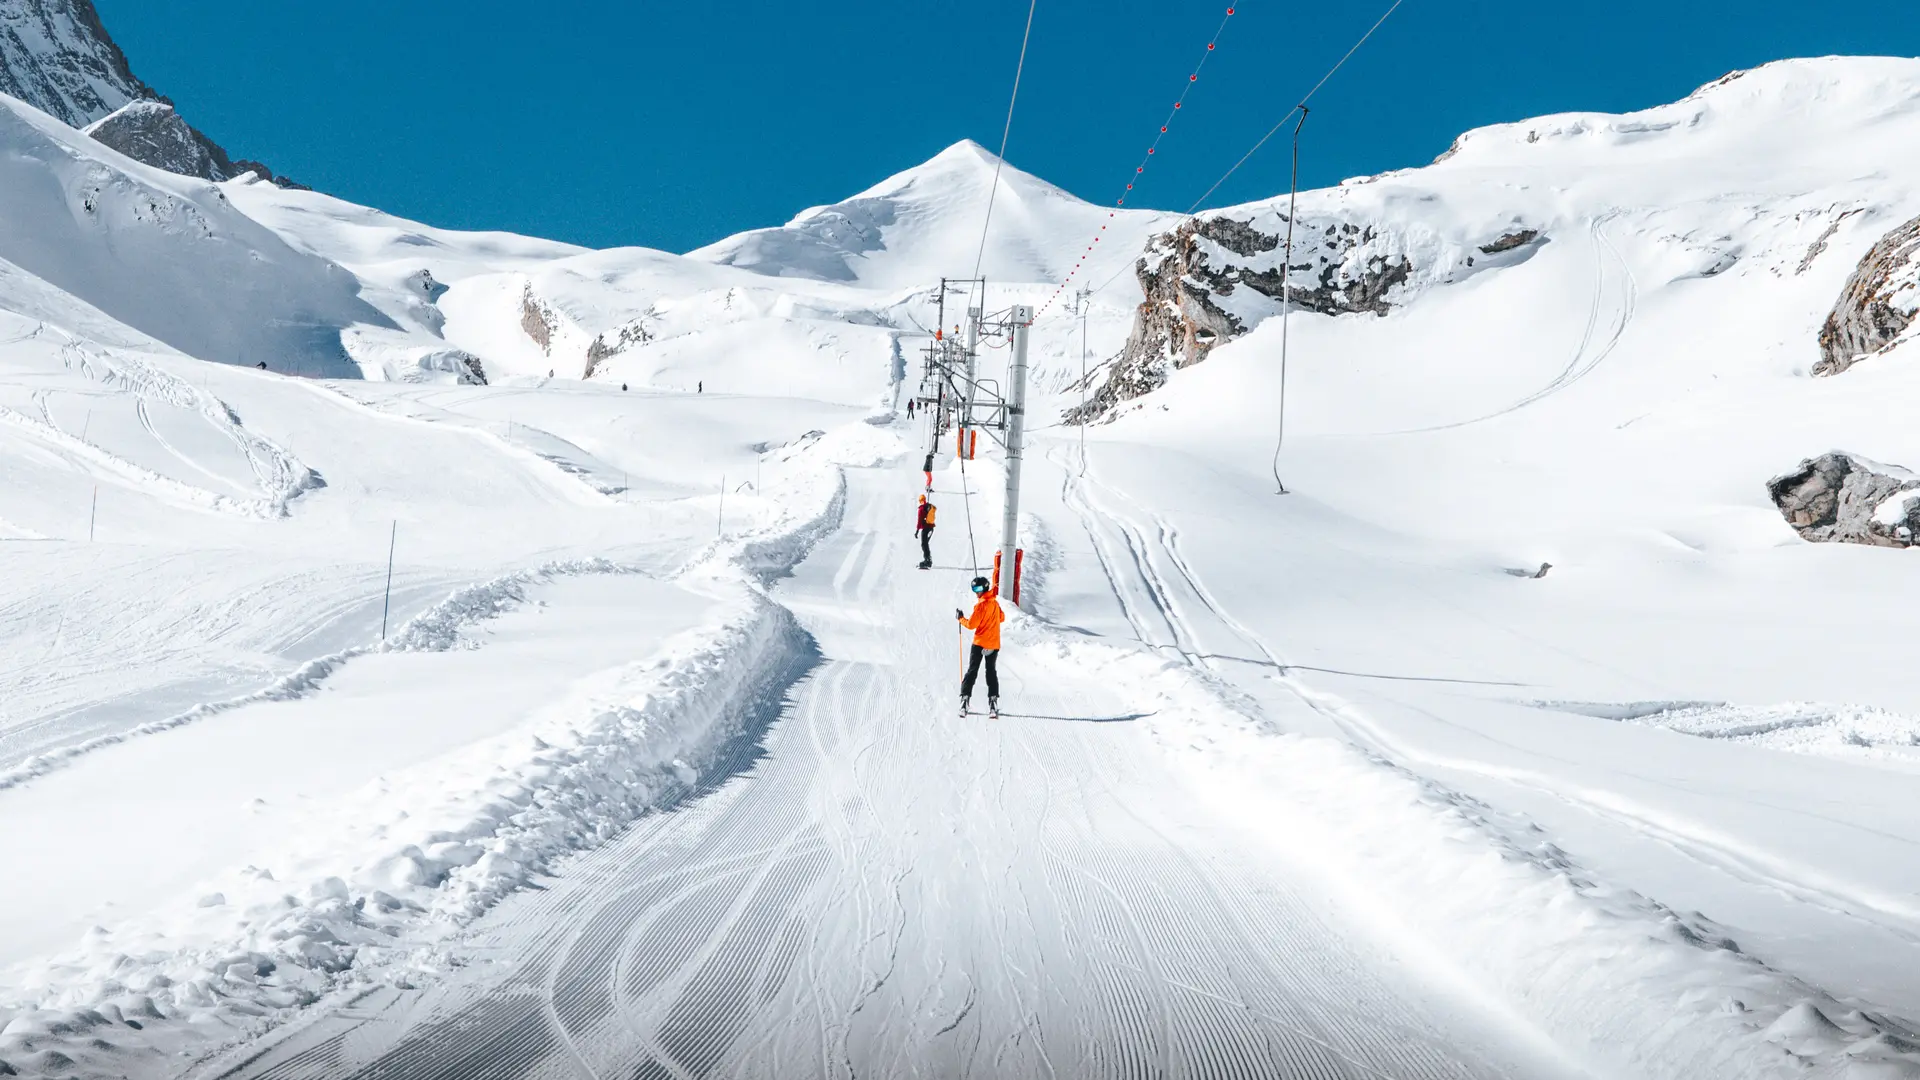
(909,408)
(700,387)
(923,528)
(623,388)
(985,624)
(928,469)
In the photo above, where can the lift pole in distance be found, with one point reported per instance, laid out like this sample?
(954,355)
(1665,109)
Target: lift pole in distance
(1022,320)
(973,355)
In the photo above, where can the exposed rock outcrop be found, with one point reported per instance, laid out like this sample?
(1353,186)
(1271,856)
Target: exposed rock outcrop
(152,133)
(1213,278)
(538,320)
(1841,497)
(56,56)
(1879,304)
(626,337)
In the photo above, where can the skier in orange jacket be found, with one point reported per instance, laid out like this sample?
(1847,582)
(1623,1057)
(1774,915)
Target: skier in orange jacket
(985,624)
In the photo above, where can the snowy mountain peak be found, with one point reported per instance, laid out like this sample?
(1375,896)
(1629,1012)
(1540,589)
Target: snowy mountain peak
(56,55)
(925,222)
(965,168)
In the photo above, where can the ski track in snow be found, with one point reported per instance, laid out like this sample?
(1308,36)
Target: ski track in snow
(1159,606)
(850,900)
(280,476)
(1589,353)
(434,630)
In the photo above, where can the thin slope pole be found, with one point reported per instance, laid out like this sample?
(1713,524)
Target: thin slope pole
(386,607)
(1286,300)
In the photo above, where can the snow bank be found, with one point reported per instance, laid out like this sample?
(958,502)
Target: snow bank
(1630,986)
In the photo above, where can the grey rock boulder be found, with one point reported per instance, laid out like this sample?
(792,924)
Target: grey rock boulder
(1878,305)
(1844,498)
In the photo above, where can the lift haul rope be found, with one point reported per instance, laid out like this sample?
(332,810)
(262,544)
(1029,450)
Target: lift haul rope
(1005,133)
(1145,159)
(1303,104)
(1197,203)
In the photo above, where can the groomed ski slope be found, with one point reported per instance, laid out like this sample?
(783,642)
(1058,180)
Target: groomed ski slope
(874,885)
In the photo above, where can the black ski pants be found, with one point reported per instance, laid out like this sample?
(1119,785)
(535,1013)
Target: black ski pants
(926,546)
(973,670)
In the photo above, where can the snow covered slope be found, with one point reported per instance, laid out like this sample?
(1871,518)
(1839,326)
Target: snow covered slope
(167,255)
(1648,811)
(1734,192)
(1611,397)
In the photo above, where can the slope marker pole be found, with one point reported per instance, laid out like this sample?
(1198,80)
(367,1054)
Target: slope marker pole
(386,606)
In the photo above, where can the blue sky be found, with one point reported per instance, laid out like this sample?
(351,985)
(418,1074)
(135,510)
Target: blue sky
(672,125)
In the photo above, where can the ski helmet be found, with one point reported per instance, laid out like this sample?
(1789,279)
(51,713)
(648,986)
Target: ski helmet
(981,584)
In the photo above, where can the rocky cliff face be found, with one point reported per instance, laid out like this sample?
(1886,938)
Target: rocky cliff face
(57,56)
(1213,278)
(151,132)
(1879,304)
(1843,498)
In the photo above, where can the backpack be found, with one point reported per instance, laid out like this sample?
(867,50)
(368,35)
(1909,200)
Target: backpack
(929,515)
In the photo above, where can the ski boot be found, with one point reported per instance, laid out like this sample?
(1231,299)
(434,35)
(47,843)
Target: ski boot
(993,708)
(963,706)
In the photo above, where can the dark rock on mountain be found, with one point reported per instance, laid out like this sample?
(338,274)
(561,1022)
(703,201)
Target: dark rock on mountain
(1213,278)
(1843,498)
(56,56)
(1879,303)
(152,133)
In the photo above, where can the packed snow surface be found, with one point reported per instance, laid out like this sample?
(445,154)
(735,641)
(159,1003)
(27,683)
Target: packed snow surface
(651,763)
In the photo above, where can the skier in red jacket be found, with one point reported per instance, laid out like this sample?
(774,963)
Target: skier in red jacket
(923,528)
